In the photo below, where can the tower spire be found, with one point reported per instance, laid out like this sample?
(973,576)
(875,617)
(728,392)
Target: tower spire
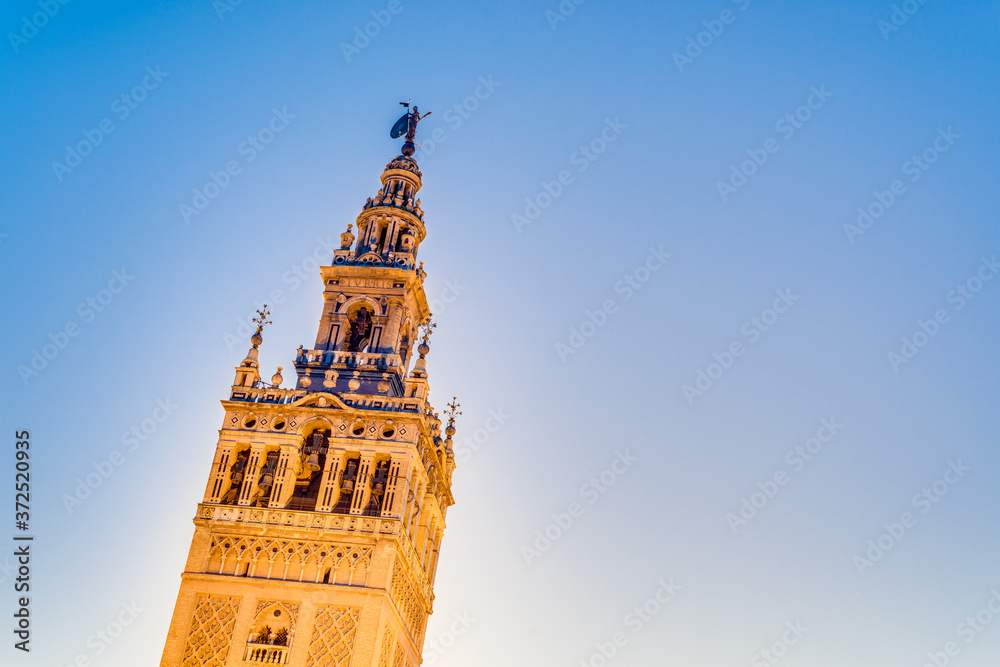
(318,536)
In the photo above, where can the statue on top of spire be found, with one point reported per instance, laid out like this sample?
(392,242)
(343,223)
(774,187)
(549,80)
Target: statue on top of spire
(407,124)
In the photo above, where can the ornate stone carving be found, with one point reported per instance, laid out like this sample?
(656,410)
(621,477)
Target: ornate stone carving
(388,643)
(332,642)
(211,631)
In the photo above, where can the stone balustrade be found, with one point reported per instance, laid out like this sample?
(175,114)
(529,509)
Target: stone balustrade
(361,360)
(265,654)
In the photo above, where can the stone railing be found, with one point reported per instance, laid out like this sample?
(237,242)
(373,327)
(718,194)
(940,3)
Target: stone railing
(371,360)
(262,516)
(265,654)
(397,404)
(266,394)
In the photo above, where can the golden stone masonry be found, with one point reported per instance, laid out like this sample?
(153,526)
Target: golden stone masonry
(318,536)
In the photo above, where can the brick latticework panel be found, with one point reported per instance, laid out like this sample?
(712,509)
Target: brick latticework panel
(333,637)
(406,601)
(388,642)
(400,660)
(211,631)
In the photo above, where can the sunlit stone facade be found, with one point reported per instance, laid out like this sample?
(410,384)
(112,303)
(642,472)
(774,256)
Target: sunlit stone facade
(318,536)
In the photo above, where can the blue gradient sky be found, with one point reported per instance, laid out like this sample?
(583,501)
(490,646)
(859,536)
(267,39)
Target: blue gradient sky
(166,335)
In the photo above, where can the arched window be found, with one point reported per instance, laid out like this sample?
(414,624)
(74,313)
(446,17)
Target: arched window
(236,478)
(310,475)
(360,332)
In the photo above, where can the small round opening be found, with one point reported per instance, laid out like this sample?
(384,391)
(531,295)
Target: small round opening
(249,422)
(358,429)
(278,424)
(388,432)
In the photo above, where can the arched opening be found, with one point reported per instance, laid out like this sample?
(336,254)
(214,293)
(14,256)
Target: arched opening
(360,331)
(312,461)
(266,479)
(404,350)
(348,482)
(268,639)
(236,478)
(380,480)
(381,238)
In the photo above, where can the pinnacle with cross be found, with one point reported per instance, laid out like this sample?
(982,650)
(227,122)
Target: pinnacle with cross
(453,410)
(261,320)
(427,328)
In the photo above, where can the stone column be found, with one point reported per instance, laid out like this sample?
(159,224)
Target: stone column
(397,488)
(390,335)
(363,484)
(328,491)
(217,480)
(250,474)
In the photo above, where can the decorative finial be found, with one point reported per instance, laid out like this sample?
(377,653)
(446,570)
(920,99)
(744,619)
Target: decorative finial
(261,321)
(407,124)
(452,412)
(426,329)
(347,238)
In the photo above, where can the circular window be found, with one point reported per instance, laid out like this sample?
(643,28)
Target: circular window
(388,431)
(278,423)
(358,429)
(249,422)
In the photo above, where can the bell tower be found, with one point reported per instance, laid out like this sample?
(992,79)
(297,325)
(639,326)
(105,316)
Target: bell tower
(317,540)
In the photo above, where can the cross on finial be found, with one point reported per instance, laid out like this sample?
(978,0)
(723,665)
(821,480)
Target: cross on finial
(261,320)
(427,328)
(453,410)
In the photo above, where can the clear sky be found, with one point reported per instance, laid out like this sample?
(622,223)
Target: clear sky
(732,261)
